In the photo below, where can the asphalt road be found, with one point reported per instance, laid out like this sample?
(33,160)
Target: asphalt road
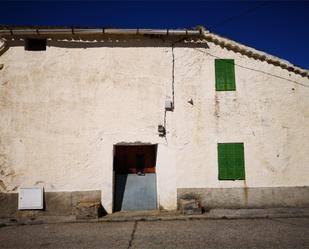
(241,233)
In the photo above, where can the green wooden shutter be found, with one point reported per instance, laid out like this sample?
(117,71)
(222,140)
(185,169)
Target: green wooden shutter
(225,75)
(239,161)
(231,161)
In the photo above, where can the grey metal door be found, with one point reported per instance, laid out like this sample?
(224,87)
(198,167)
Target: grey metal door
(136,192)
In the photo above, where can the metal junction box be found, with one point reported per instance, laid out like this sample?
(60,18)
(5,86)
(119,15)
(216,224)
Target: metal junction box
(169,105)
(30,198)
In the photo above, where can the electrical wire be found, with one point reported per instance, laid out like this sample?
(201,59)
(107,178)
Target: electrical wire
(239,15)
(253,69)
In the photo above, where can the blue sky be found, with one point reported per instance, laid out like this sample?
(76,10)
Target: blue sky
(277,27)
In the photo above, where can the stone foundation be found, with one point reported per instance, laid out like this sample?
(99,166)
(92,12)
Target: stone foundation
(55,203)
(246,197)
(73,203)
(189,206)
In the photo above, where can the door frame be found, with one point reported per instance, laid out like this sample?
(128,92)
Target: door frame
(114,173)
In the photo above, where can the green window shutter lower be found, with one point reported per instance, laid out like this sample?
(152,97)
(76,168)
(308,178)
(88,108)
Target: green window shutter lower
(225,75)
(231,161)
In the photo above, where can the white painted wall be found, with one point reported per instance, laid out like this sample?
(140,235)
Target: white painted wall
(264,112)
(166,180)
(63,109)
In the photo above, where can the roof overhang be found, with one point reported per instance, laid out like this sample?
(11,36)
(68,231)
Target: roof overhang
(14,32)
(200,33)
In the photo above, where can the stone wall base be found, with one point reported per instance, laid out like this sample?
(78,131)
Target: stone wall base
(55,204)
(76,203)
(247,197)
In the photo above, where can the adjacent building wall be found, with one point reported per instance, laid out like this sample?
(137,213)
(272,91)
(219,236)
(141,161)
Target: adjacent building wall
(62,111)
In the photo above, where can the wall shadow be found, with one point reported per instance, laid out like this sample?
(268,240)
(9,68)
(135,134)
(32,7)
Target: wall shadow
(119,188)
(116,41)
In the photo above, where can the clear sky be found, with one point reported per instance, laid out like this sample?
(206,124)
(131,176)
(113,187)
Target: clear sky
(276,27)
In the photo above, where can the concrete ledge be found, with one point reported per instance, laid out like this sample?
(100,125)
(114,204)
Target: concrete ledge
(257,213)
(279,197)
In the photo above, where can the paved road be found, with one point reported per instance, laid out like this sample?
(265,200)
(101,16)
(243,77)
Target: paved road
(242,233)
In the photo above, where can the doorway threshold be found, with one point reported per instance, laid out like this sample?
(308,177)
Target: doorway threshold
(142,213)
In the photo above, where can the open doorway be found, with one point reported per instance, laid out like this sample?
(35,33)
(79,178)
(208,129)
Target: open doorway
(135,185)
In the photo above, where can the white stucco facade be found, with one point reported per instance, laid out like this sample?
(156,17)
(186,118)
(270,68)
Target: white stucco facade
(62,111)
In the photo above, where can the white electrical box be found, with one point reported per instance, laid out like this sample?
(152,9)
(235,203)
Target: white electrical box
(30,198)
(168,105)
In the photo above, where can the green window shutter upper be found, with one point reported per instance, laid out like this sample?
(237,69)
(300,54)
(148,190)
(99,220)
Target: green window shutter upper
(231,161)
(225,75)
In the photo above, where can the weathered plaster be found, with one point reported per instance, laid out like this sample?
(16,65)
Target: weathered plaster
(247,197)
(62,111)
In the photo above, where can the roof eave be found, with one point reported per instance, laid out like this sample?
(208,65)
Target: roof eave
(13,32)
(253,53)
(199,32)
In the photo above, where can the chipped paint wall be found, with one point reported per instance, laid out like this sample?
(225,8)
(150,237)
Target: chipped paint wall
(63,109)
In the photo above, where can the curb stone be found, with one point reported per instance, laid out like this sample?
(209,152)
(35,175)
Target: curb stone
(167,216)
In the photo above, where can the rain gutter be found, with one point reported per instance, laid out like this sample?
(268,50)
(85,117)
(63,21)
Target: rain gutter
(78,31)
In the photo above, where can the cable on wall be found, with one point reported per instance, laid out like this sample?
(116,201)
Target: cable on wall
(253,69)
